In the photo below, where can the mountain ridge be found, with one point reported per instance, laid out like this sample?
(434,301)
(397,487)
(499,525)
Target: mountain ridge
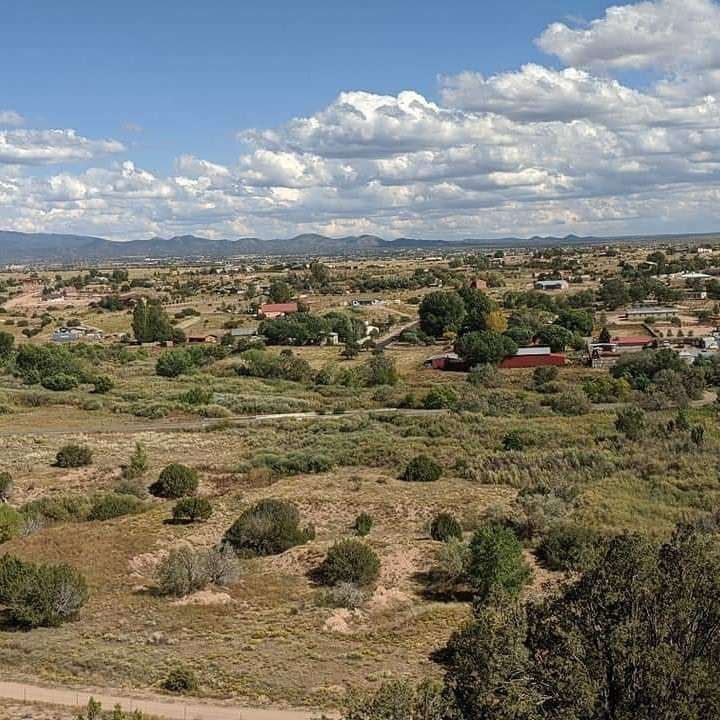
(17,247)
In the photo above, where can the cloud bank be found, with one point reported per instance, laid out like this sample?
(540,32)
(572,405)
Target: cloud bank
(529,150)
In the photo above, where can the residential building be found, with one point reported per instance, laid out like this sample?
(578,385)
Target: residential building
(274,310)
(552,284)
(656,312)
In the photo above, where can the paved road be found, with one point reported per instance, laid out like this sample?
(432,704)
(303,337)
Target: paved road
(160,707)
(170,426)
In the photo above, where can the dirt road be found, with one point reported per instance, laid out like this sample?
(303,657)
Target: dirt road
(6,423)
(157,706)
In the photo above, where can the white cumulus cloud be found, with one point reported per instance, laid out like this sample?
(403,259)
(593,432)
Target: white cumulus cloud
(651,34)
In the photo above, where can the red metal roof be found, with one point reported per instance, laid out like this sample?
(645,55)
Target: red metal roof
(631,340)
(527,361)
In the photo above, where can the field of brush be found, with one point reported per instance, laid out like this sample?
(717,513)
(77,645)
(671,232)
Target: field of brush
(273,635)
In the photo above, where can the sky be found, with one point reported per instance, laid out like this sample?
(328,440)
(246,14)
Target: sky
(397,118)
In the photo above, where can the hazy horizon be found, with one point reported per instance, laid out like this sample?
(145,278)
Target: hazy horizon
(415,120)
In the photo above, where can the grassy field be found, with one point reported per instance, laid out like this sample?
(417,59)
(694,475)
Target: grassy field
(272,637)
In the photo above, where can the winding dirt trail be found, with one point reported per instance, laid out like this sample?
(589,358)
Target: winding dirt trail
(152,705)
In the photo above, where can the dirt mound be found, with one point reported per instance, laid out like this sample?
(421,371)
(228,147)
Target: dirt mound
(143,566)
(205,597)
(385,598)
(342,621)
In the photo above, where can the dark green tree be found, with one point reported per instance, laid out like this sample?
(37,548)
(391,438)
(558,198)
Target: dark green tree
(496,566)
(441,312)
(556,336)
(280,292)
(7,342)
(477,308)
(488,667)
(269,527)
(151,323)
(484,346)
(576,320)
(614,293)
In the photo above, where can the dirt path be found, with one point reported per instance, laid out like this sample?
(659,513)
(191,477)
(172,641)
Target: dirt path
(161,707)
(172,426)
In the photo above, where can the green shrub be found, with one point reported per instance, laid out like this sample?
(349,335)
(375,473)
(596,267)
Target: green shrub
(131,486)
(6,486)
(114,505)
(73,456)
(344,594)
(380,370)
(102,384)
(269,527)
(138,464)
(180,679)
(496,563)
(486,375)
(10,523)
(259,363)
(186,569)
(606,389)
(568,547)
(350,561)
(295,463)
(40,595)
(570,402)
(544,374)
(400,699)
(59,382)
(440,397)
(196,396)
(175,481)
(632,422)
(173,363)
(192,509)
(451,559)
(513,441)
(59,508)
(444,526)
(422,469)
(363,524)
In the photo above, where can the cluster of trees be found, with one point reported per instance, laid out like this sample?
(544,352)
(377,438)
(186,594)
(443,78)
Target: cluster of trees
(664,377)
(304,328)
(150,323)
(487,336)
(379,369)
(633,637)
(420,278)
(56,368)
(301,328)
(618,291)
(283,366)
(173,363)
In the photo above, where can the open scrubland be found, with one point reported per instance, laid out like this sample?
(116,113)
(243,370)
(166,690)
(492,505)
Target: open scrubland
(559,459)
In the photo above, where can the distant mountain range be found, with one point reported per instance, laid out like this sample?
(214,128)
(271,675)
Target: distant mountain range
(48,248)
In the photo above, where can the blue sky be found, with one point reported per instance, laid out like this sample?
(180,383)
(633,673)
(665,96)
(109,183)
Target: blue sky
(192,74)
(170,80)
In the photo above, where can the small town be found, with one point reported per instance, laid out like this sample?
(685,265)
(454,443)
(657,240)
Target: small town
(360,361)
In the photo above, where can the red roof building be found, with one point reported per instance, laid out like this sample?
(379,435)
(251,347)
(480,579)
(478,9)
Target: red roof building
(631,340)
(273,310)
(532,361)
